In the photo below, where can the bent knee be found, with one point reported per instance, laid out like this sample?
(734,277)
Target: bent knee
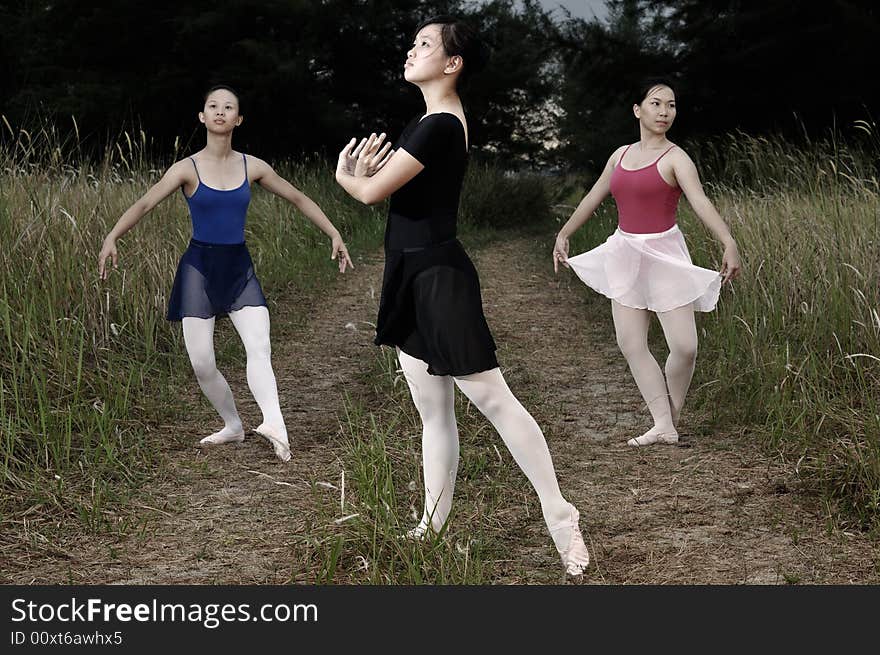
(259,351)
(491,405)
(632,347)
(203,367)
(686,350)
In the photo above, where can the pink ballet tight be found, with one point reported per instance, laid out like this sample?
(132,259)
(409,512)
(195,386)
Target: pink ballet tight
(434,399)
(252,325)
(663,396)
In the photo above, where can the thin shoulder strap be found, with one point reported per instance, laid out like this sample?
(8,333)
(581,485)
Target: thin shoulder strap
(197,168)
(664,154)
(626,150)
(244,157)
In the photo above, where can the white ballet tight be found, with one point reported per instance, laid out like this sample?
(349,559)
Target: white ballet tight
(252,325)
(664,397)
(434,399)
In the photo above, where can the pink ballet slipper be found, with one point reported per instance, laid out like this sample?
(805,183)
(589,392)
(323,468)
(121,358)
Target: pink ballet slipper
(653,436)
(279,443)
(218,438)
(575,557)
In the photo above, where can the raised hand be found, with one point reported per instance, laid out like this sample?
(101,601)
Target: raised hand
(371,155)
(346,161)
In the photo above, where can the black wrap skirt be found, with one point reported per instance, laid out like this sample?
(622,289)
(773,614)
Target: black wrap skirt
(431,308)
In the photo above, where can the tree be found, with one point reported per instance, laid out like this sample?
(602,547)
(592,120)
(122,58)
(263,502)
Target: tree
(311,73)
(603,65)
(762,67)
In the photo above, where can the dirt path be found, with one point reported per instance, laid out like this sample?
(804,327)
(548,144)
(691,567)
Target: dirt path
(712,510)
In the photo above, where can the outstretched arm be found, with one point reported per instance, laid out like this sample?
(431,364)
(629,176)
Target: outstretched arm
(173,179)
(266,176)
(689,180)
(585,209)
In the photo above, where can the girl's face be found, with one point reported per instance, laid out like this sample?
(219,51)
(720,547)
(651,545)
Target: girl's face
(220,114)
(427,59)
(657,110)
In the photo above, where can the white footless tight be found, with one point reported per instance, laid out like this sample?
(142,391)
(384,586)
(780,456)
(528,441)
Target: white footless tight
(252,325)
(664,397)
(434,395)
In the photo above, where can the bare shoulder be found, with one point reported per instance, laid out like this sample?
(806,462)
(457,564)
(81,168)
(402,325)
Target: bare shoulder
(257,167)
(616,155)
(256,162)
(180,165)
(181,170)
(678,155)
(253,160)
(683,170)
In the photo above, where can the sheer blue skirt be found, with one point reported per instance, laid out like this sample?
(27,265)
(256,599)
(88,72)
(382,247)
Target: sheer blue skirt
(212,280)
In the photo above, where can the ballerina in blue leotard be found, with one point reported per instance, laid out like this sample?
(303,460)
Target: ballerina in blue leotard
(215,276)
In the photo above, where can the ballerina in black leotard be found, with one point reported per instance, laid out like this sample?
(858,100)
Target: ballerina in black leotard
(431,309)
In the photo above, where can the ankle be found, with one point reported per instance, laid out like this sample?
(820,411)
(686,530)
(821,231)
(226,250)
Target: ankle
(277,430)
(560,526)
(560,515)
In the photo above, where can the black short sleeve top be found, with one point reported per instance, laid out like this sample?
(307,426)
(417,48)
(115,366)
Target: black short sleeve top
(424,211)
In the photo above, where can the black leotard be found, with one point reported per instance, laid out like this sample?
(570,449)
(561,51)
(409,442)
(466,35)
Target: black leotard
(431,307)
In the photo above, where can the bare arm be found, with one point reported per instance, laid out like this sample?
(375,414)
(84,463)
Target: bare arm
(590,202)
(174,178)
(689,180)
(267,178)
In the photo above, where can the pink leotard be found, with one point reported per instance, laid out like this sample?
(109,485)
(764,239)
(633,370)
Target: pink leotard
(646,203)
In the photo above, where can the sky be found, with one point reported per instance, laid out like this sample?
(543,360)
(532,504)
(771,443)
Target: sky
(586,9)
(579,8)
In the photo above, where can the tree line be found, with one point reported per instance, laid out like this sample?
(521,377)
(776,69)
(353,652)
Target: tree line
(313,73)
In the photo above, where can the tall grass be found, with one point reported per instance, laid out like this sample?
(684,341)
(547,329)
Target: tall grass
(796,347)
(793,349)
(494,200)
(86,366)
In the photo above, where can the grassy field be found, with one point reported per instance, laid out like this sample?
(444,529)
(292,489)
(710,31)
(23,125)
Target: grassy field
(89,369)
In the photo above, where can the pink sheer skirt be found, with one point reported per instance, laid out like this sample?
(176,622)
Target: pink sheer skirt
(648,271)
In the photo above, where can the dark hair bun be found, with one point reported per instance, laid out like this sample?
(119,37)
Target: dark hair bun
(459,38)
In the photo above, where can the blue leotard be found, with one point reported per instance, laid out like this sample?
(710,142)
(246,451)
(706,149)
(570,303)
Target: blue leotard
(218,215)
